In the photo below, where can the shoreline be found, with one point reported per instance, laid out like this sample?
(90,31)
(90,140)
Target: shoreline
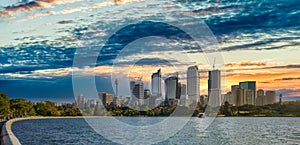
(8,137)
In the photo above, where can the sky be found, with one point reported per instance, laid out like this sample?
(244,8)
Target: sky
(40,39)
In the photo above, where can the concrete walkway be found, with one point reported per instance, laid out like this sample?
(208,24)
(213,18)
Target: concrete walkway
(1,125)
(8,138)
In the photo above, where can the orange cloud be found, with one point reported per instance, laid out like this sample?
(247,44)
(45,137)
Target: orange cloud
(272,79)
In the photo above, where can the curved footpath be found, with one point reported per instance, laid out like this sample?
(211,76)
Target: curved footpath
(8,138)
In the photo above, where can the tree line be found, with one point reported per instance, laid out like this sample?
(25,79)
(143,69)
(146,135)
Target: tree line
(21,107)
(282,109)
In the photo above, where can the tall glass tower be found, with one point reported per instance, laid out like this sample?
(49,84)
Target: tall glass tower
(193,82)
(251,87)
(156,84)
(214,88)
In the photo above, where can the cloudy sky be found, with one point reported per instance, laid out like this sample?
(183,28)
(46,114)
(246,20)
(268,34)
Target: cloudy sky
(258,40)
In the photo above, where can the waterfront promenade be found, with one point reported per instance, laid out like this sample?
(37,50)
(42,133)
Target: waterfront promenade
(1,125)
(7,136)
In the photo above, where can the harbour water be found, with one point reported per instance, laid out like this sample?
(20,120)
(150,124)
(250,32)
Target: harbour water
(223,130)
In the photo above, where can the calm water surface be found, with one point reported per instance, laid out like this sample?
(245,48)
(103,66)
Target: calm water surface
(235,130)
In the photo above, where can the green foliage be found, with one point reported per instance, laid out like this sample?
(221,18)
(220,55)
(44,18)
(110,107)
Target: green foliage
(226,109)
(276,109)
(21,107)
(46,108)
(4,105)
(72,112)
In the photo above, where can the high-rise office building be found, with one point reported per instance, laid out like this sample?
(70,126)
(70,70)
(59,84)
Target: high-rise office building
(155,88)
(132,84)
(106,98)
(227,98)
(183,91)
(270,97)
(156,84)
(178,93)
(80,101)
(214,88)
(147,95)
(90,103)
(234,94)
(250,96)
(193,82)
(171,87)
(183,96)
(138,90)
(260,97)
(241,96)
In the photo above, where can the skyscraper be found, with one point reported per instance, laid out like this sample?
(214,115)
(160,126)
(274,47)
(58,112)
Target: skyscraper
(156,84)
(260,97)
(270,97)
(214,88)
(240,96)
(171,87)
(80,101)
(234,94)
(132,84)
(193,82)
(155,88)
(183,91)
(138,90)
(106,98)
(251,86)
(146,97)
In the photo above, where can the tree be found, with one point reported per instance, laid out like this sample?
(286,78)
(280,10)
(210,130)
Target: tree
(4,105)
(46,108)
(21,107)
(227,109)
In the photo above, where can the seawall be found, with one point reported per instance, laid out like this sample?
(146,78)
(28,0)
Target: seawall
(8,138)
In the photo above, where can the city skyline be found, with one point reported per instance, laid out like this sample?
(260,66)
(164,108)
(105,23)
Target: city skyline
(242,94)
(259,42)
(139,86)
